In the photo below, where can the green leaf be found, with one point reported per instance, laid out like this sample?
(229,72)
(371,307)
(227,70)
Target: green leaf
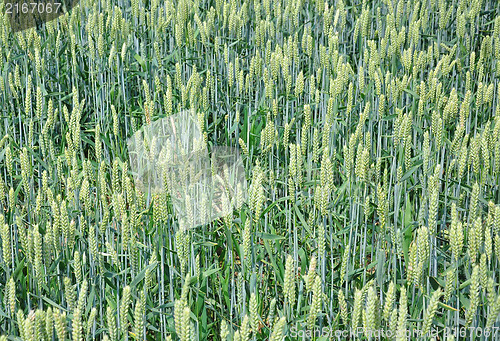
(268,236)
(206,243)
(141,274)
(141,61)
(207,273)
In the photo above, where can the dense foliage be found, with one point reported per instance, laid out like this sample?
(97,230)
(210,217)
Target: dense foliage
(370,135)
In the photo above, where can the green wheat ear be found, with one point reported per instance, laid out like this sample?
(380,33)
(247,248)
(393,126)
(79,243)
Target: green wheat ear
(316,302)
(473,295)
(277,333)
(389,301)
(254,314)
(431,311)
(289,283)
(403,310)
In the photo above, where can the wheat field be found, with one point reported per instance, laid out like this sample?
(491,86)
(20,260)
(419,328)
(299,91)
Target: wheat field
(369,136)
